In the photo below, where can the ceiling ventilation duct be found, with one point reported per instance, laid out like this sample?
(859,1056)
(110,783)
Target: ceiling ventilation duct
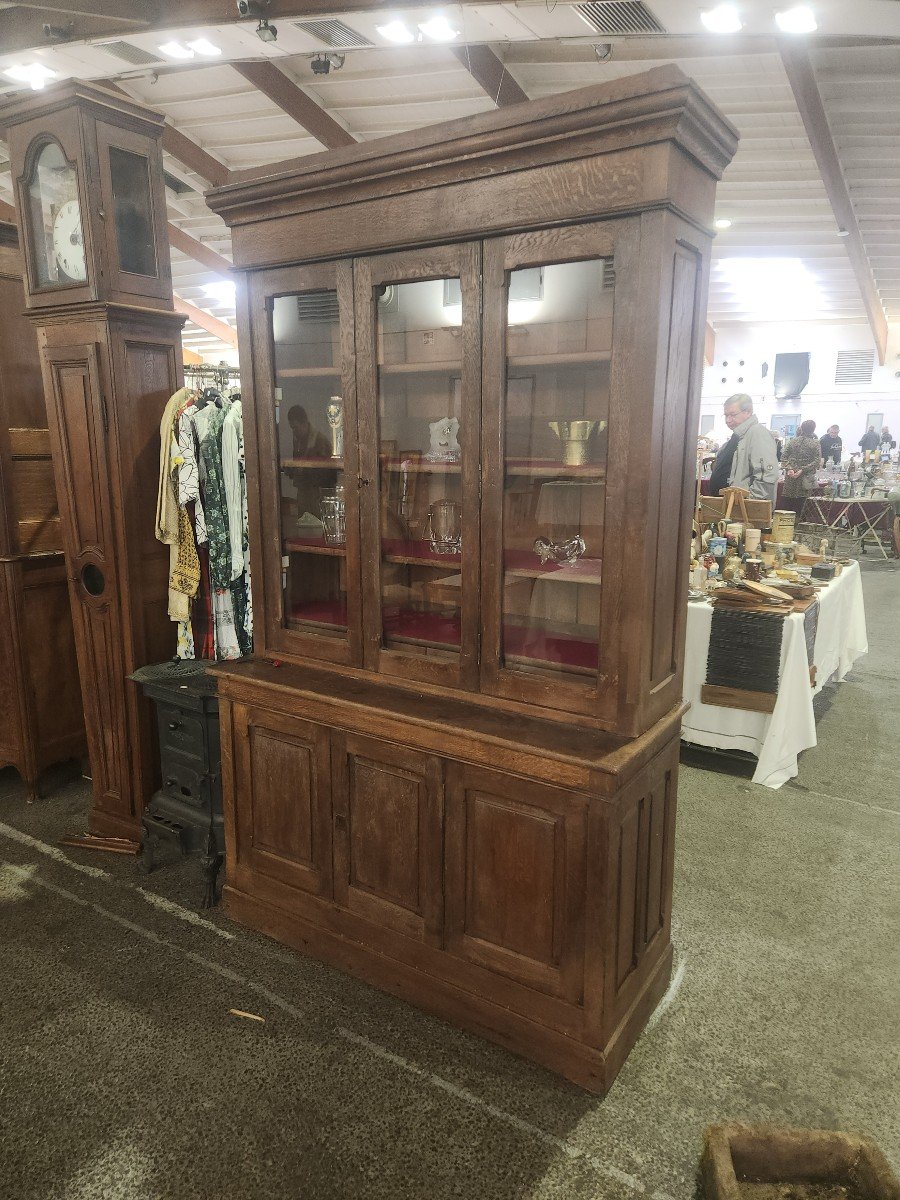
(128,53)
(619,16)
(854,366)
(335,34)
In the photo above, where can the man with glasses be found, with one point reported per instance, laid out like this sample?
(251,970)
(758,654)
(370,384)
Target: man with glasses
(748,459)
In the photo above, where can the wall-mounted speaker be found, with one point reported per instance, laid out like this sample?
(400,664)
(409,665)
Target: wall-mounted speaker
(791,375)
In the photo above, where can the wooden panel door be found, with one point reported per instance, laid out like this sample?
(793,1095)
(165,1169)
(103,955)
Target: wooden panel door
(302,462)
(515,878)
(283,820)
(78,428)
(388,812)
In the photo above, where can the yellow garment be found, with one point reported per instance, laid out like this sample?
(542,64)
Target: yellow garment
(172,523)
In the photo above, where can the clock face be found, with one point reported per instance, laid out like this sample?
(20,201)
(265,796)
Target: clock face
(68,242)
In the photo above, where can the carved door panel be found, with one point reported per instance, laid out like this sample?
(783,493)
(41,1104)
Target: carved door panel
(284,818)
(387,851)
(515,879)
(78,427)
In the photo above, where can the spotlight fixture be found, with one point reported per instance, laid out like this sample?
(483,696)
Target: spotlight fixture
(723,222)
(439,29)
(324,64)
(723,19)
(799,19)
(35,75)
(176,50)
(397,32)
(266,32)
(59,33)
(603,51)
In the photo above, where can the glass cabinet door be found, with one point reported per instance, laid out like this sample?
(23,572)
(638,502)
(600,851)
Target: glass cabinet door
(418,344)
(306,422)
(549,312)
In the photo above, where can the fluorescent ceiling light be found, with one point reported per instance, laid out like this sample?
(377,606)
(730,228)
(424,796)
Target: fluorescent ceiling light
(223,291)
(723,222)
(176,50)
(205,46)
(773,288)
(34,74)
(796,20)
(723,19)
(398,32)
(439,29)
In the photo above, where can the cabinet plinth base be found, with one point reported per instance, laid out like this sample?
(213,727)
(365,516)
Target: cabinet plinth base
(592,1069)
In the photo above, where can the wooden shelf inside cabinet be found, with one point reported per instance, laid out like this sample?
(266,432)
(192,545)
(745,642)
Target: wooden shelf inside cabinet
(420,466)
(309,373)
(585,570)
(572,359)
(312,545)
(546,468)
(416,553)
(332,464)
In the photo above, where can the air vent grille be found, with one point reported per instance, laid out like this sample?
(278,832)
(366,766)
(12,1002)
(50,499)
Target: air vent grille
(609,275)
(335,34)
(128,53)
(619,16)
(854,366)
(317,306)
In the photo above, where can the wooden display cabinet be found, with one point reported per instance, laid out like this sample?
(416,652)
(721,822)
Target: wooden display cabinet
(475,355)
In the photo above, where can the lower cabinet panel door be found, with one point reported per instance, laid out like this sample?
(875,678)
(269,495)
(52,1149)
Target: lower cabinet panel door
(388,815)
(284,818)
(515,878)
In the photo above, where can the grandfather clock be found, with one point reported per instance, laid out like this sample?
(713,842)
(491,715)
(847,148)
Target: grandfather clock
(90,197)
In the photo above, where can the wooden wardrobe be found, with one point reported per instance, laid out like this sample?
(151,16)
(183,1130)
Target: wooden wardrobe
(41,715)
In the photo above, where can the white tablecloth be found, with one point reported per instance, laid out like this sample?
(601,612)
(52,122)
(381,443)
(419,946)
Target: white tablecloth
(777,738)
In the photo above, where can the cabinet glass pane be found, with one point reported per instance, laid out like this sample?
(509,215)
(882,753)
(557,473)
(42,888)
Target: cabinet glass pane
(309,426)
(130,174)
(419,413)
(558,349)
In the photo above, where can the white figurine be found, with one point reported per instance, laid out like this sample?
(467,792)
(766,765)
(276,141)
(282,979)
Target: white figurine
(444,446)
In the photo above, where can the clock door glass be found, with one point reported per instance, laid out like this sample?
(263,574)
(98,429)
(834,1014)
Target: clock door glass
(130,175)
(57,237)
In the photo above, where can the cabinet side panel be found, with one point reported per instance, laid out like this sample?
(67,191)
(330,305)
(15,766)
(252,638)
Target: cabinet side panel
(668,592)
(11,733)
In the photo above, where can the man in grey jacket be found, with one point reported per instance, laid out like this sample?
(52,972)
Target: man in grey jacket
(755,462)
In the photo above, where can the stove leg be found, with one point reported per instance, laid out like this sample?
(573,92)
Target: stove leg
(148,850)
(210,864)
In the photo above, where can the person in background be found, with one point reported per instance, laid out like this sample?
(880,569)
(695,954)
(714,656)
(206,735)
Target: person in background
(308,443)
(748,459)
(831,446)
(869,441)
(886,442)
(801,460)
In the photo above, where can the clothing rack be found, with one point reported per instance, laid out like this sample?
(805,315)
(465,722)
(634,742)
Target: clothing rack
(209,375)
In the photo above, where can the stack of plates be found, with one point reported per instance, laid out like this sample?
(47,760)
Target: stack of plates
(745,649)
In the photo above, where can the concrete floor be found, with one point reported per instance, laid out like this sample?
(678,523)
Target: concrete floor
(123,1076)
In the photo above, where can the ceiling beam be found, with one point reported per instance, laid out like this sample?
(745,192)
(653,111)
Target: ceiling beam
(490,73)
(292,99)
(121,12)
(802,79)
(200,253)
(709,345)
(206,321)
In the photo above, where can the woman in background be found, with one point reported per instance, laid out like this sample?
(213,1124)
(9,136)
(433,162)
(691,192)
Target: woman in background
(801,460)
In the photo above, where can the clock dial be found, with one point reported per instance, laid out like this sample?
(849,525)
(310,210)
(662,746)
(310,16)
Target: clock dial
(68,242)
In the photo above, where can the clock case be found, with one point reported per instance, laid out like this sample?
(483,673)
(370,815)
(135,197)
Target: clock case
(90,124)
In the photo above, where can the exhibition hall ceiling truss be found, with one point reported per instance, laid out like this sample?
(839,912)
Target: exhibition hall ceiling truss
(812,196)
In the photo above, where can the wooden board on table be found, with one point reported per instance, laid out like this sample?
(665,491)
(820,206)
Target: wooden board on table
(726,697)
(712,509)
